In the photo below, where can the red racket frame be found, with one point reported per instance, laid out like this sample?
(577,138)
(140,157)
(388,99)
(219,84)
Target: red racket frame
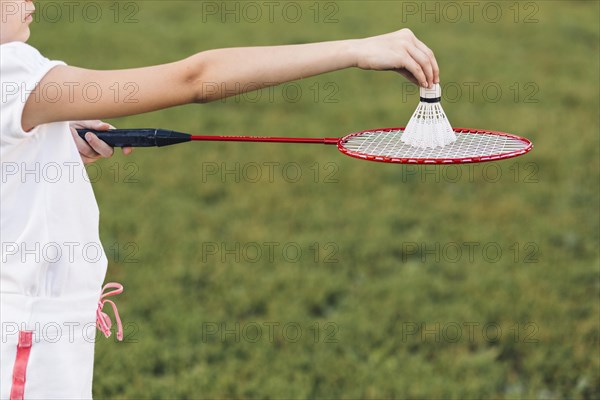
(410,160)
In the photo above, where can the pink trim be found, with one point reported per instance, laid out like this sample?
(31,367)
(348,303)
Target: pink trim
(17,390)
(103,321)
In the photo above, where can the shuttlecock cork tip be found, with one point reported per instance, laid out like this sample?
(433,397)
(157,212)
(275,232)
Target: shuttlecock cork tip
(433,94)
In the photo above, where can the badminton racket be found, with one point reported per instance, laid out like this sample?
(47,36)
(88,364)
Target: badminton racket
(382,145)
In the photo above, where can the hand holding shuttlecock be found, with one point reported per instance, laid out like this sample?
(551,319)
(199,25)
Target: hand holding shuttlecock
(429,127)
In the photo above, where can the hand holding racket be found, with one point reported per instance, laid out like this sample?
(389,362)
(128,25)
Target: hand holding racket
(90,147)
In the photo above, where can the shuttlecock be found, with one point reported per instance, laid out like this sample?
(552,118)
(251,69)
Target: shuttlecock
(429,127)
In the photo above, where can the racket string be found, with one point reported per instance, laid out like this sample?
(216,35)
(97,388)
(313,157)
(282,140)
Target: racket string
(384,143)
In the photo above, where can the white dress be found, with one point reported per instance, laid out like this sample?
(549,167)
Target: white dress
(53,264)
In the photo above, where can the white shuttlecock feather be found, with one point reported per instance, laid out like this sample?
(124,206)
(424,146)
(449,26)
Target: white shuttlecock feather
(429,127)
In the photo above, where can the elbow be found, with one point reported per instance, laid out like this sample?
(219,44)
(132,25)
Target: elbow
(201,90)
(193,80)
(199,99)
(205,91)
(201,93)
(202,98)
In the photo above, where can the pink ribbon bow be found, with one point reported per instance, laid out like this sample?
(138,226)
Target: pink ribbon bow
(103,321)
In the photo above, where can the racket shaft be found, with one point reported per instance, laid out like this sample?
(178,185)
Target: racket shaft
(138,137)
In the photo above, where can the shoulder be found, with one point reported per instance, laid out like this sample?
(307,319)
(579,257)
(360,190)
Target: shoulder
(18,48)
(19,55)
(22,63)
(22,67)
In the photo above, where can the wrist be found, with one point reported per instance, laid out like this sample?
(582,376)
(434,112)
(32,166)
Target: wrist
(351,51)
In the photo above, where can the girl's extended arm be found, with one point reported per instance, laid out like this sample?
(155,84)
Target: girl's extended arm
(214,74)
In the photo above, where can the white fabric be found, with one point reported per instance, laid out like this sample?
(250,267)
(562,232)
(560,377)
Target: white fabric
(52,265)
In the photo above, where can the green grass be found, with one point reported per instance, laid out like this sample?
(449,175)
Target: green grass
(377,289)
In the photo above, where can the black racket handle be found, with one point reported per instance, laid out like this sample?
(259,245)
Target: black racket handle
(138,137)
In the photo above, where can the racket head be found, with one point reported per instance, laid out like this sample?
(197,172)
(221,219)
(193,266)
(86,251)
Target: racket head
(471,146)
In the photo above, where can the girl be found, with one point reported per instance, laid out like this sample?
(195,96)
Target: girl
(52,262)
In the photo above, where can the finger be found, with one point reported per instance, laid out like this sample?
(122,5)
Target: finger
(424,62)
(408,76)
(99,125)
(83,147)
(86,124)
(429,53)
(94,124)
(415,69)
(98,145)
(127,150)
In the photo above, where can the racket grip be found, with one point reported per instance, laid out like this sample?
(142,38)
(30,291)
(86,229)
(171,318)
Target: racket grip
(138,137)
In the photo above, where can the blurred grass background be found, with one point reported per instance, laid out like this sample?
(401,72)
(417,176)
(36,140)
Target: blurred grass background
(386,313)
